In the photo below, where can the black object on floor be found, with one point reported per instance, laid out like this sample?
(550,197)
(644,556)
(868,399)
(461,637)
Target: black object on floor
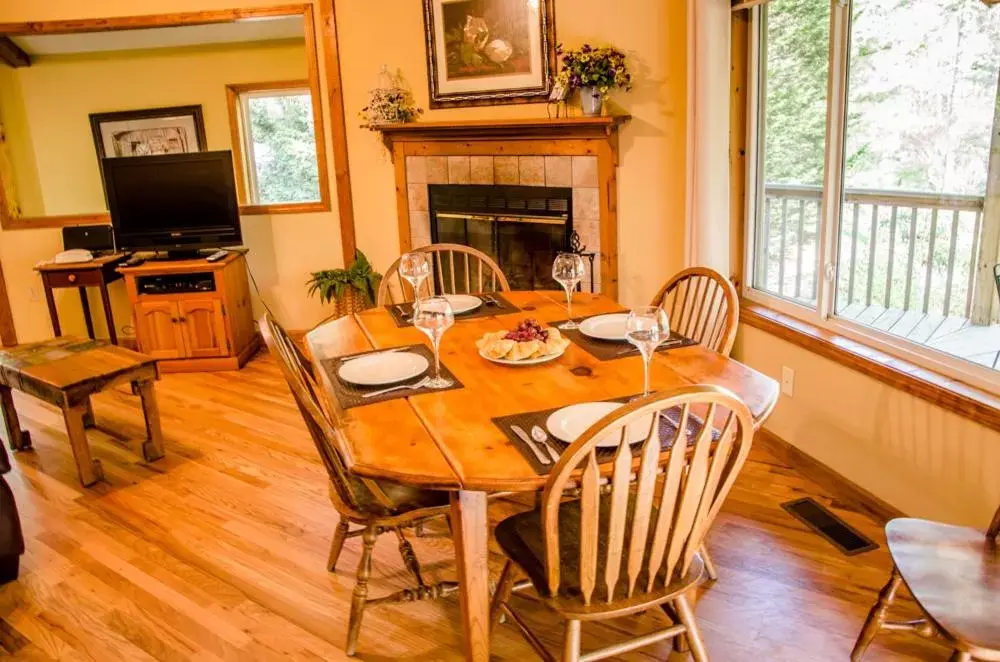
(840,534)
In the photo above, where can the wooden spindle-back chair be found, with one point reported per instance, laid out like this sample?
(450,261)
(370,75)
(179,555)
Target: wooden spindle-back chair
(631,540)
(455,269)
(376,506)
(953,574)
(704,306)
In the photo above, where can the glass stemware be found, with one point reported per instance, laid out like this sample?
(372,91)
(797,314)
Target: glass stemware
(567,270)
(646,328)
(415,267)
(434,316)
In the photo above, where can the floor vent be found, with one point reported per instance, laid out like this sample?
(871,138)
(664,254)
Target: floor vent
(818,518)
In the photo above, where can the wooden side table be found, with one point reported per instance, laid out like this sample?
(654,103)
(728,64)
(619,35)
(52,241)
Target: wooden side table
(65,372)
(81,275)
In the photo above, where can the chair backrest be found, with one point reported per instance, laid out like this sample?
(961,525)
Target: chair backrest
(456,269)
(667,504)
(323,421)
(994,531)
(704,306)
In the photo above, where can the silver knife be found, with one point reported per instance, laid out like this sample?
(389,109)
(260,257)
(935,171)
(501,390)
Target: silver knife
(523,436)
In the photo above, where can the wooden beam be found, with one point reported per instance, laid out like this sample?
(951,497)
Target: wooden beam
(12,55)
(750,4)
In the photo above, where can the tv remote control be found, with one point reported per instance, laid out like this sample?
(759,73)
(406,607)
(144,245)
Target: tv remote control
(216,256)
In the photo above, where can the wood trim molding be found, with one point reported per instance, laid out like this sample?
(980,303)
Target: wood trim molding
(955,396)
(338,129)
(8,334)
(855,495)
(11,53)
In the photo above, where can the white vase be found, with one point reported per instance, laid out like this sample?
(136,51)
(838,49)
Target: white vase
(591,101)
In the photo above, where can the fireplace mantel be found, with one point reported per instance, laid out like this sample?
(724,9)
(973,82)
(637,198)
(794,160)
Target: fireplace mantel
(603,127)
(574,152)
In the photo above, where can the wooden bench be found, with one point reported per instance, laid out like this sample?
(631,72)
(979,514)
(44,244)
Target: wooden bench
(65,372)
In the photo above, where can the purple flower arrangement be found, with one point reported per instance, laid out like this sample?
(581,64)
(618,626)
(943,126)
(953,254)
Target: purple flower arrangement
(602,67)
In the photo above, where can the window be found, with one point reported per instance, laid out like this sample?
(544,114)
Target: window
(875,121)
(275,146)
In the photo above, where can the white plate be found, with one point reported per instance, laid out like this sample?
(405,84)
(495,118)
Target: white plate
(383,368)
(463,303)
(605,327)
(568,423)
(536,361)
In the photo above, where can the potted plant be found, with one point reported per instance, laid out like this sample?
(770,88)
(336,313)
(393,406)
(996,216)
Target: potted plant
(595,71)
(389,103)
(351,290)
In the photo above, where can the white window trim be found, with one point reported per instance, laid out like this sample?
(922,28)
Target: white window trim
(823,315)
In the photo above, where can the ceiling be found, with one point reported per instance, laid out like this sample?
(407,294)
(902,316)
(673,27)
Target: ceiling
(247,30)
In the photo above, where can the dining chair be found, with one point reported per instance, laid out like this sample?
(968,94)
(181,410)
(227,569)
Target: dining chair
(472,272)
(953,573)
(704,306)
(630,541)
(374,506)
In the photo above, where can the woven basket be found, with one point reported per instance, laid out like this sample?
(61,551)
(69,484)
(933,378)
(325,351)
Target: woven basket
(351,302)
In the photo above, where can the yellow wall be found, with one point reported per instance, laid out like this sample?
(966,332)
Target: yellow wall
(923,459)
(55,166)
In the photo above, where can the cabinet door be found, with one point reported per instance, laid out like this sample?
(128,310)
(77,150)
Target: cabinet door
(158,330)
(204,328)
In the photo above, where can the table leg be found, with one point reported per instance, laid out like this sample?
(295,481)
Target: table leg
(152,448)
(89,420)
(469,524)
(108,316)
(89,469)
(18,439)
(53,313)
(85,303)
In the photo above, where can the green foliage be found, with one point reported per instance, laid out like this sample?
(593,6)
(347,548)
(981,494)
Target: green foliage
(284,148)
(601,67)
(332,283)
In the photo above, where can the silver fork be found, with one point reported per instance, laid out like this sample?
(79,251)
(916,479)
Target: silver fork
(542,437)
(413,387)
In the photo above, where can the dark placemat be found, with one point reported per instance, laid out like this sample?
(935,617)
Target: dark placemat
(527,420)
(609,350)
(401,312)
(351,395)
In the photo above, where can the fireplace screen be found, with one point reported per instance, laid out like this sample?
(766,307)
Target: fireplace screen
(521,227)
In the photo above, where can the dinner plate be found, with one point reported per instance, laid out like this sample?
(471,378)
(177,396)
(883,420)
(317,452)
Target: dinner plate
(568,423)
(535,361)
(605,327)
(463,303)
(383,368)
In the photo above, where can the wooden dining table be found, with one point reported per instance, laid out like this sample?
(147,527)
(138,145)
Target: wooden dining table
(447,440)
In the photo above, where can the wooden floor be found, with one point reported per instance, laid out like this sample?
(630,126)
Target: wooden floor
(217,552)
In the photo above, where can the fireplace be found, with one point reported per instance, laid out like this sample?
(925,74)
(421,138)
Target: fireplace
(521,227)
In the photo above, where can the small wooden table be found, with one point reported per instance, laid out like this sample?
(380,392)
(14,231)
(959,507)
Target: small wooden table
(65,372)
(448,441)
(96,273)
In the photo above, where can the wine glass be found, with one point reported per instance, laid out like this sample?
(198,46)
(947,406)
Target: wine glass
(434,316)
(415,268)
(567,270)
(646,328)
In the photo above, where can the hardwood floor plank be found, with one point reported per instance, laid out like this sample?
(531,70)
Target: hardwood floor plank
(218,551)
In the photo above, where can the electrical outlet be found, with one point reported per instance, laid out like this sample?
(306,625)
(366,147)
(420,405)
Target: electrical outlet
(33,295)
(787,381)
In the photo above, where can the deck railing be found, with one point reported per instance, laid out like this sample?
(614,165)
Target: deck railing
(899,250)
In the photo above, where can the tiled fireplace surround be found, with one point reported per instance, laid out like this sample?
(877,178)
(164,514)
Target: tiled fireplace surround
(578,172)
(578,152)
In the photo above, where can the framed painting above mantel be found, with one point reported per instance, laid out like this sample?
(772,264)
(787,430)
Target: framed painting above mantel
(489,52)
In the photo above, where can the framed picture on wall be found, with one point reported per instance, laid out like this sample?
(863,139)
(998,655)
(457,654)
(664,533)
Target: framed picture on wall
(489,52)
(147,132)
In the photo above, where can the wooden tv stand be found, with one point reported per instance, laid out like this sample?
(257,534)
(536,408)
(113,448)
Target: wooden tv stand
(193,315)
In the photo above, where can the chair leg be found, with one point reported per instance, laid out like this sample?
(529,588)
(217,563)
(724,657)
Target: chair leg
(410,558)
(959,656)
(710,570)
(876,617)
(360,590)
(571,645)
(337,545)
(680,641)
(695,641)
(502,594)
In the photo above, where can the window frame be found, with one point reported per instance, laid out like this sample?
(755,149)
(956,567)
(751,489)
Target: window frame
(237,96)
(823,315)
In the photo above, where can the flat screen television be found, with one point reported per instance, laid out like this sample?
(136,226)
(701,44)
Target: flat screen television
(180,203)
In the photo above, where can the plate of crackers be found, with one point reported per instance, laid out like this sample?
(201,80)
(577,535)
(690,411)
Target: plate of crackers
(529,343)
